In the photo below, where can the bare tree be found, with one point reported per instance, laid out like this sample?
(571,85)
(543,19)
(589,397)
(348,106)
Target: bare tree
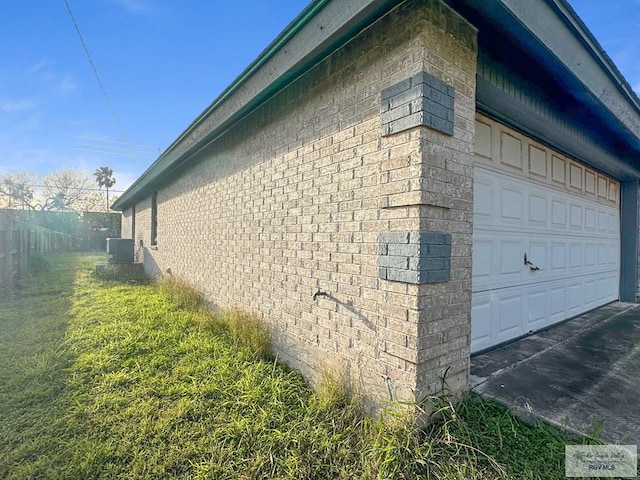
(18,190)
(63,190)
(68,190)
(104,178)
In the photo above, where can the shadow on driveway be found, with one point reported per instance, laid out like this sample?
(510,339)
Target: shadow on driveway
(582,375)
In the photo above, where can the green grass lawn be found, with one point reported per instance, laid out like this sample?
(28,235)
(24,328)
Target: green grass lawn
(106,379)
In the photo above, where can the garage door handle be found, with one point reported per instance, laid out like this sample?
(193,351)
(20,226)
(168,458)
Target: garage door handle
(531,266)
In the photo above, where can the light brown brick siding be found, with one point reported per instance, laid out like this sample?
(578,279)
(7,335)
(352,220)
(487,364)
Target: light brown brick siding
(293,199)
(126,223)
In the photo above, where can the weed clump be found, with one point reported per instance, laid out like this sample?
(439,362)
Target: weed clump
(335,395)
(443,447)
(38,263)
(246,330)
(125,274)
(182,294)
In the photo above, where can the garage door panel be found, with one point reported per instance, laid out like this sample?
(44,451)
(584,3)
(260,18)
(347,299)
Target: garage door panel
(481,335)
(603,254)
(557,297)
(590,219)
(558,169)
(614,254)
(614,223)
(614,191)
(558,214)
(576,255)
(558,256)
(590,293)
(500,264)
(576,217)
(537,312)
(603,222)
(585,215)
(602,186)
(511,206)
(565,219)
(482,259)
(575,297)
(510,267)
(509,314)
(510,150)
(502,315)
(538,255)
(498,261)
(575,177)
(482,191)
(538,210)
(591,254)
(602,288)
(608,287)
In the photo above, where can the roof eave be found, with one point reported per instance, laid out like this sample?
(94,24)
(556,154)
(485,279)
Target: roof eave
(319,30)
(551,32)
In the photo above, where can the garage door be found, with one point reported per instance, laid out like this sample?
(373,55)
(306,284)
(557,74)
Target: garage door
(546,237)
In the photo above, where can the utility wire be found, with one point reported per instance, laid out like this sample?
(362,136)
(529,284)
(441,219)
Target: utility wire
(141,146)
(110,153)
(95,72)
(89,189)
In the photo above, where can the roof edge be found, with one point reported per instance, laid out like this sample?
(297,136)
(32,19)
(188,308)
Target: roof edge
(294,26)
(560,31)
(592,43)
(289,31)
(325,23)
(553,34)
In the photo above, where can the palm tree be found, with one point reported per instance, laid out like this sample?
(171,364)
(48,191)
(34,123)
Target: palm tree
(104,178)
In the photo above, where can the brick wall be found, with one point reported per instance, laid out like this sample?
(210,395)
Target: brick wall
(126,223)
(298,197)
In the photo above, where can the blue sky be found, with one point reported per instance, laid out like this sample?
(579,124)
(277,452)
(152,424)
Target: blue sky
(161,62)
(616,25)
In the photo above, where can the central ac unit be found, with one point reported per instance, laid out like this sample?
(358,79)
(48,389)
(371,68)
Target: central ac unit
(119,250)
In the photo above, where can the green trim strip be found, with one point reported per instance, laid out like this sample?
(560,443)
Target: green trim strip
(300,21)
(294,27)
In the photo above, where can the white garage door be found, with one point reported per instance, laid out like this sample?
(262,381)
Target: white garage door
(546,240)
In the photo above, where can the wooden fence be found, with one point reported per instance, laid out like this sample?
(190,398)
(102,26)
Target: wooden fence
(20,240)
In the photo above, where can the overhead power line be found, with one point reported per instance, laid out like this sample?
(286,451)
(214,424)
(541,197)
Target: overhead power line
(108,140)
(113,153)
(100,84)
(87,189)
(36,185)
(114,148)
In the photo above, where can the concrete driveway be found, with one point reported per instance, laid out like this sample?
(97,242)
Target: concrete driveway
(583,375)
